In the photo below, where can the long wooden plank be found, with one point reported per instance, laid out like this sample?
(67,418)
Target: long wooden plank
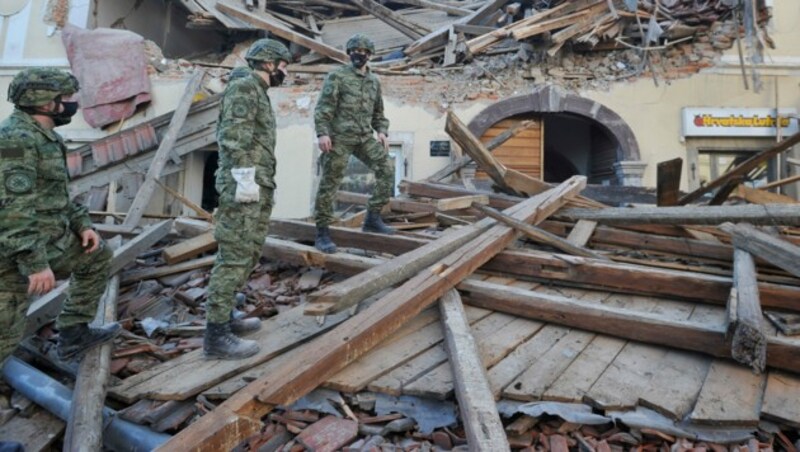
(731,395)
(774,250)
(780,398)
(85,428)
(539,235)
(189,374)
(339,296)
(438,38)
(281,30)
(643,327)
(766,214)
(140,274)
(742,169)
(147,188)
(582,232)
(482,424)
(560,269)
(745,320)
(45,308)
(239,416)
(188,249)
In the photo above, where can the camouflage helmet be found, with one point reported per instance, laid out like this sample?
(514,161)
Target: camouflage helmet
(34,87)
(360,41)
(239,72)
(267,50)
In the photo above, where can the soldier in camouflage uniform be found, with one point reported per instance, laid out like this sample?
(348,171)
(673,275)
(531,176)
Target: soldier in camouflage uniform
(245,183)
(349,108)
(42,232)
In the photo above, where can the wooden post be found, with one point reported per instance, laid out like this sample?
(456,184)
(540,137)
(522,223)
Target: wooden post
(668,182)
(85,427)
(767,214)
(394,20)
(475,399)
(744,321)
(162,154)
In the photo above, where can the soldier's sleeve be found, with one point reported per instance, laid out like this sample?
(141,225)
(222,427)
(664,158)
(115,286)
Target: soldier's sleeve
(79,219)
(20,238)
(237,122)
(326,105)
(379,121)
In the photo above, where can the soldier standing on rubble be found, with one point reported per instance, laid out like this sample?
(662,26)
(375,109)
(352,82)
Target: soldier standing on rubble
(349,107)
(245,183)
(42,232)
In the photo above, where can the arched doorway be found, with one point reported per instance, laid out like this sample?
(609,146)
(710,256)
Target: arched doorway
(573,135)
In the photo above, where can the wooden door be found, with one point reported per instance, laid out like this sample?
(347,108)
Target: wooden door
(523,152)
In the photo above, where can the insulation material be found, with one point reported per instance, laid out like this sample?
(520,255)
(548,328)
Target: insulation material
(112,69)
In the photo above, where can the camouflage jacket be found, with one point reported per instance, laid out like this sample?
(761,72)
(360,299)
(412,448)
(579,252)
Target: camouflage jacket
(246,131)
(35,209)
(350,105)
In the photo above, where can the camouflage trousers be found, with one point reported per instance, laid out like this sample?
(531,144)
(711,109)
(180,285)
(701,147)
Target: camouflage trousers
(240,230)
(88,278)
(334,163)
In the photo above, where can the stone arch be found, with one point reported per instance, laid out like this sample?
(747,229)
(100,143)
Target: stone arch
(553,99)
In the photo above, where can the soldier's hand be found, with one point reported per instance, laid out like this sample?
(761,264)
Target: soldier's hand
(325,144)
(383,140)
(41,282)
(90,240)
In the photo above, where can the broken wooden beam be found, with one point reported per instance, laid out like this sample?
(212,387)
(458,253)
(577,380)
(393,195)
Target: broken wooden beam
(482,424)
(778,252)
(742,169)
(668,182)
(145,192)
(556,268)
(281,30)
(349,292)
(490,146)
(85,427)
(745,327)
(540,235)
(438,38)
(639,326)
(766,214)
(190,248)
(391,18)
(239,416)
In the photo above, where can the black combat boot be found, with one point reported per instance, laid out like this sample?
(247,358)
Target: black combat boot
(77,339)
(220,343)
(323,241)
(240,327)
(374,223)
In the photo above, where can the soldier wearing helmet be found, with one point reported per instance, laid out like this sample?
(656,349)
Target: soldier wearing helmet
(245,183)
(42,233)
(349,109)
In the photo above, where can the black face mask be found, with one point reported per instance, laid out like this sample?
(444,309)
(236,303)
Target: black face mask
(358,59)
(276,78)
(65,117)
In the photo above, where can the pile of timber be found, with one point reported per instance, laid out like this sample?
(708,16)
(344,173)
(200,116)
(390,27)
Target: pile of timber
(447,33)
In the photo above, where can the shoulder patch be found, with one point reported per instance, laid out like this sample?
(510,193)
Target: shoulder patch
(18,181)
(239,110)
(12,153)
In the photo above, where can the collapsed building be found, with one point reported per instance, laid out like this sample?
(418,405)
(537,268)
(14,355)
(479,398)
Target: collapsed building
(604,316)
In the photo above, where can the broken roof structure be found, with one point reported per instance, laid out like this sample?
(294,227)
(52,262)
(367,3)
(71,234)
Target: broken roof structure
(523,306)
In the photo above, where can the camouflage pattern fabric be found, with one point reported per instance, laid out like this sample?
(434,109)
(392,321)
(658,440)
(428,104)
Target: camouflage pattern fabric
(349,108)
(39,85)
(334,163)
(39,228)
(246,138)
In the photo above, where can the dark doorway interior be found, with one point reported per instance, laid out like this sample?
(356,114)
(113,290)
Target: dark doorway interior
(574,145)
